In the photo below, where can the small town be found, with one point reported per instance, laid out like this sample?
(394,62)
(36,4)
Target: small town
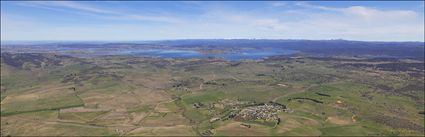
(267,112)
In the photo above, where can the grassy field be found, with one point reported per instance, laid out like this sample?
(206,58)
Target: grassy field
(18,105)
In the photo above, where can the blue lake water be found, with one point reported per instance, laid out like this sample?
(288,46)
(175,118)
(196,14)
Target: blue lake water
(187,54)
(241,54)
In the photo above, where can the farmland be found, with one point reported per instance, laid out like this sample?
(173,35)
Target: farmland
(126,95)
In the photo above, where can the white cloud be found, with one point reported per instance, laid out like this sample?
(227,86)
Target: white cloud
(66,4)
(365,12)
(272,24)
(353,22)
(97,11)
(374,14)
(278,4)
(307,5)
(139,17)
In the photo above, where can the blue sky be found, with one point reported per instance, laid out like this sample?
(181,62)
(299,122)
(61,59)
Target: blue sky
(138,20)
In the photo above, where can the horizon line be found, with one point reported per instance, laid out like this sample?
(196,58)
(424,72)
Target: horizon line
(6,41)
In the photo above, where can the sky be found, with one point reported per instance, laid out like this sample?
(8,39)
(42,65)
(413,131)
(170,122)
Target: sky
(145,20)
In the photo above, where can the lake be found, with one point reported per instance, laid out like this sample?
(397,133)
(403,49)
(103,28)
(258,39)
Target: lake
(90,50)
(187,54)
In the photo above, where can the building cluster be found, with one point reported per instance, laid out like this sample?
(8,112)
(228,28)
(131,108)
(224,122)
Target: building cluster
(267,111)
